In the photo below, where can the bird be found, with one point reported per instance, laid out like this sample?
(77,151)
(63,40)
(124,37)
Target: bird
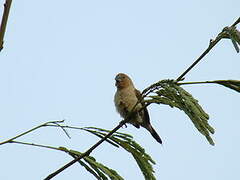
(125,100)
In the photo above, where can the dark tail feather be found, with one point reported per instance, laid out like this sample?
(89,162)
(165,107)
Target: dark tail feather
(154,134)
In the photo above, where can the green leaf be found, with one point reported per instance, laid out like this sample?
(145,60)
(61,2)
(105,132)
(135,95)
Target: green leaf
(98,170)
(233,34)
(126,141)
(102,170)
(143,160)
(89,169)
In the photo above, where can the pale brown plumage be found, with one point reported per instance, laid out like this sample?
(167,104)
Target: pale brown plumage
(126,98)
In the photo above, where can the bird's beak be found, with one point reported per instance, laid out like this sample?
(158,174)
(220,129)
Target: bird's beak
(118,79)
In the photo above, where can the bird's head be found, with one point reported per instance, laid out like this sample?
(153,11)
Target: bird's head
(123,81)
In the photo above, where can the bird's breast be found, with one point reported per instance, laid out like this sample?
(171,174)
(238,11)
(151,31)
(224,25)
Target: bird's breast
(125,99)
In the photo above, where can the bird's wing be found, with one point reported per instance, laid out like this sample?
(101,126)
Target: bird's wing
(145,114)
(146,120)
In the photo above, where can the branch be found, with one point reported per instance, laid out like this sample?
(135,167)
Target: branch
(236,22)
(220,36)
(87,153)
(7,6)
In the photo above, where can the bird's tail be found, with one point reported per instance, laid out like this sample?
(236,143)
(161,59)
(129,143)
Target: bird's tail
(154,134)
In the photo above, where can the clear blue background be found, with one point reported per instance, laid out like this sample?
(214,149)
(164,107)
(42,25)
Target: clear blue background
(59,62)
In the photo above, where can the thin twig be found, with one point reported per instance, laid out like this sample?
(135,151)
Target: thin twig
(63,149)
(211,45)
(232,84)
(64,130)
(26,132)
(48,147)
(196,82)
(65,126)
(7,6)
(37,145)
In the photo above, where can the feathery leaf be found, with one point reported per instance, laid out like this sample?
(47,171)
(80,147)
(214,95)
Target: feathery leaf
(233,34)
(169,93)
(232,84)
(98,170)
(126,141)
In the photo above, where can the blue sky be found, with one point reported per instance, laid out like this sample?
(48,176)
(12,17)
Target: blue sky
(59,61)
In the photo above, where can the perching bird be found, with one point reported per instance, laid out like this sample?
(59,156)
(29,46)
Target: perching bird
(126,98)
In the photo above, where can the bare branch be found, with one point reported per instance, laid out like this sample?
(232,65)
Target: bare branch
(7,6)
(220,36)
